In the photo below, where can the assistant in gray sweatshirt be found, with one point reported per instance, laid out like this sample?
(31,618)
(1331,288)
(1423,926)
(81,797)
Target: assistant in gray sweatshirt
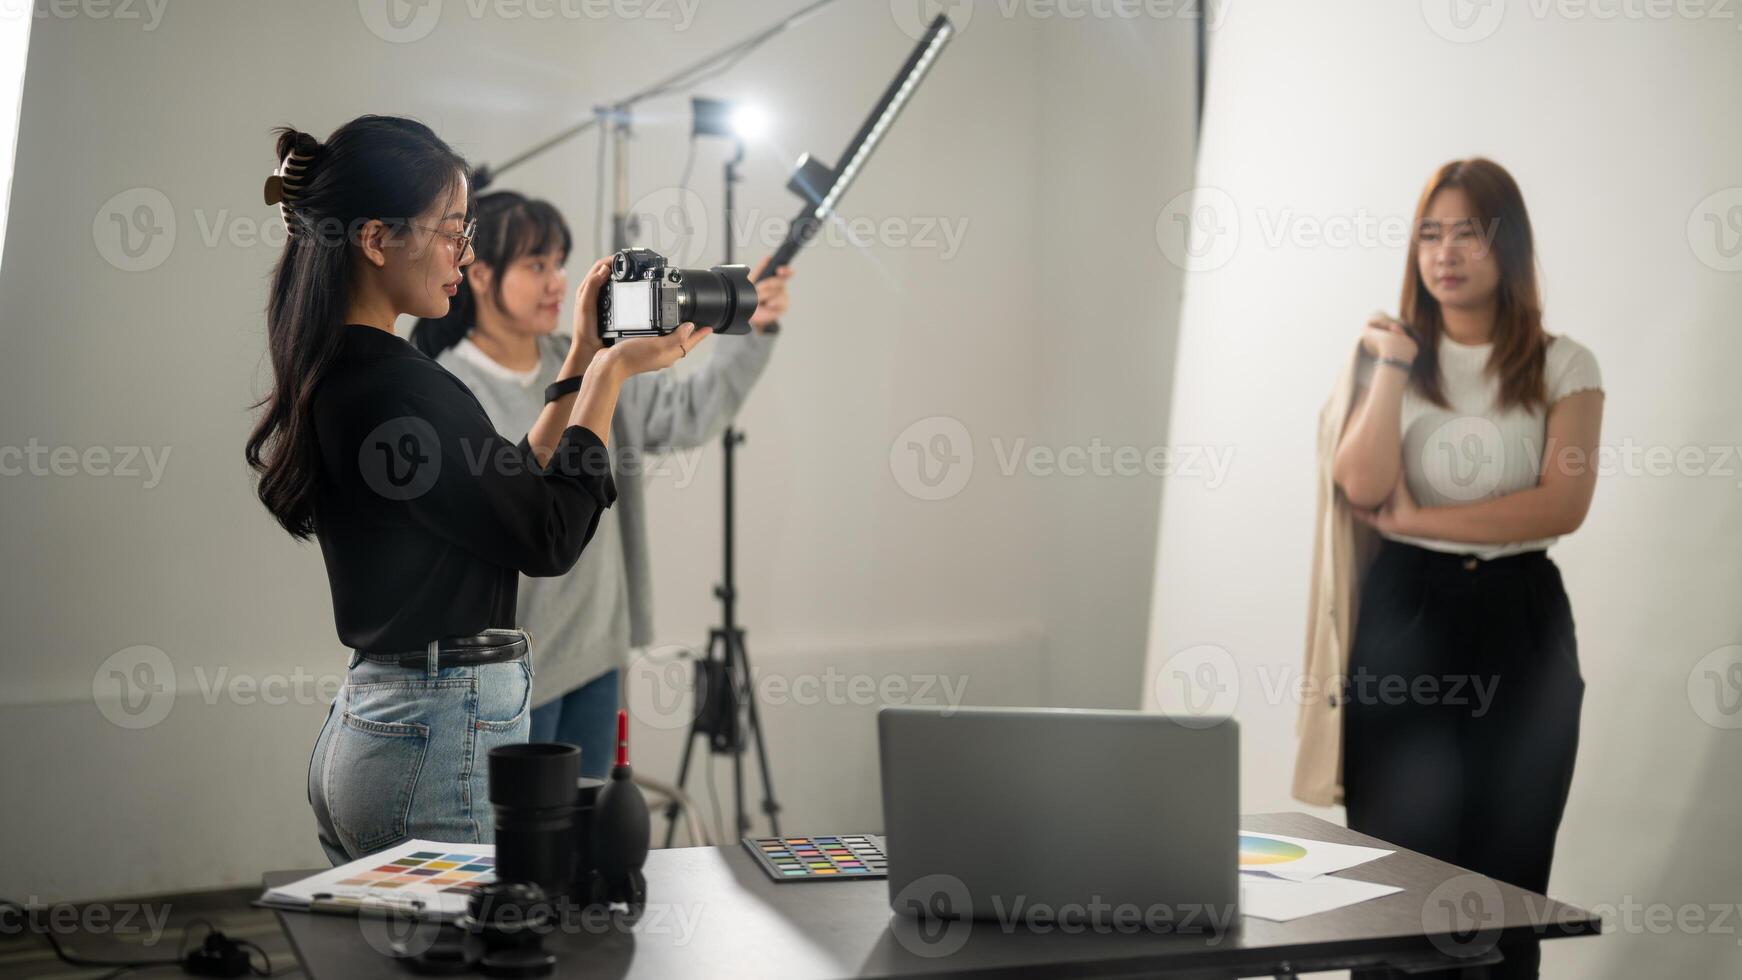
(585,622)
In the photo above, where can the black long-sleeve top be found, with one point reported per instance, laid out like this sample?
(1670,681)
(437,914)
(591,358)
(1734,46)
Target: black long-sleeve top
(425,515)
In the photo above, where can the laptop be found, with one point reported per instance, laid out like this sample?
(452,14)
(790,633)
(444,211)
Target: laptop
(1010,813)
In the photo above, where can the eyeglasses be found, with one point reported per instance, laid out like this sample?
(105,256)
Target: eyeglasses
(462,240)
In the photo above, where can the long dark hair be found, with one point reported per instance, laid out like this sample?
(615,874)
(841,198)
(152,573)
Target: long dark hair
(510,226)
(1520,345)
(373,167)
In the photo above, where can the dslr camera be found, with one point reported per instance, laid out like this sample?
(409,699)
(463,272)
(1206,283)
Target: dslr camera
(645,297)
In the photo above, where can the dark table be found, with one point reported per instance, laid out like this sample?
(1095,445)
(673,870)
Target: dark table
(714,913)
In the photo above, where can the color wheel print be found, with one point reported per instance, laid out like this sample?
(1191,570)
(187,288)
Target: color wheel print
(1265,850)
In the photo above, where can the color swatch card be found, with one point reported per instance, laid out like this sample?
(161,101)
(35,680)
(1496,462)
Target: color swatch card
(838,858)
(428,878)
(1299,859)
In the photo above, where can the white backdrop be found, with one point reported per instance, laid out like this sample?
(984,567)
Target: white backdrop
(1323,122)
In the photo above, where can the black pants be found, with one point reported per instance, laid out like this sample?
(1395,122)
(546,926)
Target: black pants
(1462,715)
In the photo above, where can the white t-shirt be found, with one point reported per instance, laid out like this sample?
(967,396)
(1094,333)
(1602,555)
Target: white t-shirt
(1472,451)
(474,355)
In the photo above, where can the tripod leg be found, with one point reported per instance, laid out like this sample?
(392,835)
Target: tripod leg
(739,677)
(769,806)
(683,771)
(689,745)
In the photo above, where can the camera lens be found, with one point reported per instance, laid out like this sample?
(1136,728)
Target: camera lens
(722,297)
(532,792)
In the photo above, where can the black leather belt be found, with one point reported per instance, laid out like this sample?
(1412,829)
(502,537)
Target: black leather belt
(493,646)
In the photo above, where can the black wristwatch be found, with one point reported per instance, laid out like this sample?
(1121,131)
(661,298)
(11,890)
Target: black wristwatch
(566,386)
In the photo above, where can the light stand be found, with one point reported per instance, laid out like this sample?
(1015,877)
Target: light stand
(724,689)
(622,222)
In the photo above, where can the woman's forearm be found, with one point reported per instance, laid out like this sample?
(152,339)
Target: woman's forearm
(558,415)
(597,400)
(1557,505)
(1539,512)
(1370,453)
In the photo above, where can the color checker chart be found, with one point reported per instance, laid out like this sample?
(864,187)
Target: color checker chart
(838,858)
(450,872)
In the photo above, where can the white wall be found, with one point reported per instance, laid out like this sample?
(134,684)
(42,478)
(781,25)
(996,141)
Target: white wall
(842,568)
(14,41)
(1114,150)
(1618,129)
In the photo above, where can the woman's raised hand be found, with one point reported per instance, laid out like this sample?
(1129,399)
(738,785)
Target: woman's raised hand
(643,354)
(1386,336)
(586,341)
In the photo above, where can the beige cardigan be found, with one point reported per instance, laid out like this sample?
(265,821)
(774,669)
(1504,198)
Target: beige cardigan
(1342,549)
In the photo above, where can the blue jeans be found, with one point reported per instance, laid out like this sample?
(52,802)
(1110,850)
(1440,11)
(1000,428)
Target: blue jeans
(587,717)
(405,753)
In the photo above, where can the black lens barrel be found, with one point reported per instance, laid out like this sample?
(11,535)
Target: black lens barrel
(532,793)
(722,297)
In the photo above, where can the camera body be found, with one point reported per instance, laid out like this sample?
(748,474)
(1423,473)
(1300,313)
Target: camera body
(646,297)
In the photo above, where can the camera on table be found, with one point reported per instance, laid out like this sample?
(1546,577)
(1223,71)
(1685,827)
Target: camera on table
(645,297)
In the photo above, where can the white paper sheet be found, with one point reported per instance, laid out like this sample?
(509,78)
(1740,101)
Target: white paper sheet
(1299,859)
(428,878)
(1279,899)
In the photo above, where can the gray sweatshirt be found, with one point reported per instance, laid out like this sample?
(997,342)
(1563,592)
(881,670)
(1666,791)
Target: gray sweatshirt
(584,623)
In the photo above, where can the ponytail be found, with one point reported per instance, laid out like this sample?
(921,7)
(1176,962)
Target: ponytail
(373,167)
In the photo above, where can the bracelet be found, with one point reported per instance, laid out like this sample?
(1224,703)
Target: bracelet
(566,386)
(1399,363)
